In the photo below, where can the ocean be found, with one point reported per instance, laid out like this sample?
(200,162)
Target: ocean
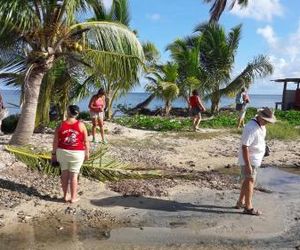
(12,97)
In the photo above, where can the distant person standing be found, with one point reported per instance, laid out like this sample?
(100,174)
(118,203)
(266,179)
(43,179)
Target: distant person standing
(97,107)
(251,153)
(242,99)
(70,149)
(3,112)
(196,108)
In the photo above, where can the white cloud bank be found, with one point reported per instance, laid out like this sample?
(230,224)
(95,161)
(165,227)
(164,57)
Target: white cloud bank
(261,10)
(284,51)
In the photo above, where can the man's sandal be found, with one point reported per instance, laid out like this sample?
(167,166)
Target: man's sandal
(252,211)
(239,205)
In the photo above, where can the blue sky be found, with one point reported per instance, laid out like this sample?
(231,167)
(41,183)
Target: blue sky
(270,27)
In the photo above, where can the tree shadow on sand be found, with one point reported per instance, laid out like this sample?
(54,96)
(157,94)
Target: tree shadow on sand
(30,191)
(161,205)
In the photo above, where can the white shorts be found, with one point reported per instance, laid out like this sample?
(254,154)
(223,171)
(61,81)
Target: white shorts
(70,160)
(97,115)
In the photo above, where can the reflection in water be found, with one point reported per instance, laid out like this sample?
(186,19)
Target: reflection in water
(50,234)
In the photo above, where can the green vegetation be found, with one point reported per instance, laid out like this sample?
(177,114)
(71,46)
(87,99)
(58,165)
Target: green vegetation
(283,129)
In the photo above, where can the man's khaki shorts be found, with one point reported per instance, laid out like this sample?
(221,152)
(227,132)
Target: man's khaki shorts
(244,175)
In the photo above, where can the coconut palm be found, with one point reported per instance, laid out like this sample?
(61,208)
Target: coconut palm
(118,13)
(187,58)
(48,30)
(217,56)
(163,84)
(218,6)
(152,57)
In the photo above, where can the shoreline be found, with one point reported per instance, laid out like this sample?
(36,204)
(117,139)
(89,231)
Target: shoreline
(203,204)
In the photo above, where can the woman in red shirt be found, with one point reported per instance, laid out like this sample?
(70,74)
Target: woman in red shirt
(70,149)
(97,106)
(196,108)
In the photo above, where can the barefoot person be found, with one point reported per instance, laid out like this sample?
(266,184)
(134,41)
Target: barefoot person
(196,108)
(242,99)
(251,153)
(70,149)
(97,106)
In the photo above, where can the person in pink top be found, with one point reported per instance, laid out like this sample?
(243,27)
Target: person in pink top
(97,107)
(70,149)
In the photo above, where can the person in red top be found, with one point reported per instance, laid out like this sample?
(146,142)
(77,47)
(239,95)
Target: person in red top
(196,108)
(70,149)
(97,106)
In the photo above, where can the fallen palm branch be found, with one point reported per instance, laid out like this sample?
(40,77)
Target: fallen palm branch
(99,166)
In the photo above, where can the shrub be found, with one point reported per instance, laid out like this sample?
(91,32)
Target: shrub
(84,115)
(9,124)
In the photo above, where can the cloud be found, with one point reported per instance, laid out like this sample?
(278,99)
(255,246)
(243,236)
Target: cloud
(284,51)
(154,17)
(261,10)
(268,33)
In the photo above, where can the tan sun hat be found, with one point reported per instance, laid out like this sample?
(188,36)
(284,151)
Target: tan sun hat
(267,115)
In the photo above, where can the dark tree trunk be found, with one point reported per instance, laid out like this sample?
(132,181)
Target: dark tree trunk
(145,103)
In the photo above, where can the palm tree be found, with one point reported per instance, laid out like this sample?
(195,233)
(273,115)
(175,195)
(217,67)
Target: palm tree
(152,57)
(118,13)
(217,57)
(163,84)
(48,30)
(187,58)
(218,6)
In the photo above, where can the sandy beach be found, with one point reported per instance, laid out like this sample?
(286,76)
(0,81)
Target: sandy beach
(171,213)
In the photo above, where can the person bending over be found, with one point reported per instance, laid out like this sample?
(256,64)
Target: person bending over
(251,153)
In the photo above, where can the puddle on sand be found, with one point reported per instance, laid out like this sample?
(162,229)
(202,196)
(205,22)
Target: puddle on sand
(279,180)
(164,233)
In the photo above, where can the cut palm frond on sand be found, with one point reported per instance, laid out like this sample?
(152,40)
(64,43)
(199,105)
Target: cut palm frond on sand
(99,166)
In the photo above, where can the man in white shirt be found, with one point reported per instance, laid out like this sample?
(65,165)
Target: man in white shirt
(251,153)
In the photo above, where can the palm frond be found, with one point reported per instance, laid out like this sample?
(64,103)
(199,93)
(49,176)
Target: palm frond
(99,166)
(10,21)
(260,67)
(112,49)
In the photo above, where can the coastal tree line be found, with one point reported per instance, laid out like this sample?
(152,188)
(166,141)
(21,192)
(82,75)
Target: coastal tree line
(56,56)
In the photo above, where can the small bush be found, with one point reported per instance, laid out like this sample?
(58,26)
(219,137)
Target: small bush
(84,115)
(9,124)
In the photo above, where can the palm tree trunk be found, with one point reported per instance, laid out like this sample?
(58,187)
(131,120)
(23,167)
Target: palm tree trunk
(215,101)
(145,103)
(108,103)
(42,116)
(26,121)
(168,107)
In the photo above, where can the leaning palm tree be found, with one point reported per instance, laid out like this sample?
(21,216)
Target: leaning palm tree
(152,57)
(218,6)
(48,30)
(218,51)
